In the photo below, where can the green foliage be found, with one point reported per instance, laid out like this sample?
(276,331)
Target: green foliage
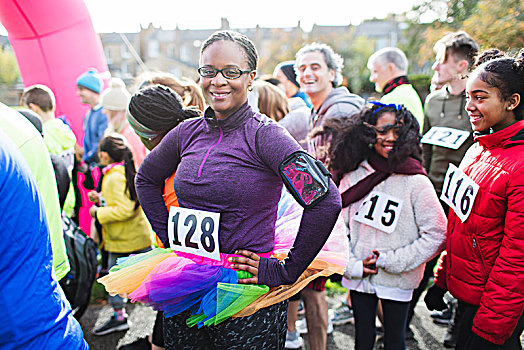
(421,83)
(497,24)
(9,74)
(98,294)
(334,288)
(491,23)
(458,11)
(355,64)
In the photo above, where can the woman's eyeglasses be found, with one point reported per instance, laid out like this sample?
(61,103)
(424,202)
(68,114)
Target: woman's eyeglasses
(228,73)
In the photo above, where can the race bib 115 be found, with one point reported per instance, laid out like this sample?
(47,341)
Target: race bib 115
(380,211)
(459,192)
(194,231)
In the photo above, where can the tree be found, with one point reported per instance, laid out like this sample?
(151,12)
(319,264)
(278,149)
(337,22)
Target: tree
(283,49)
(497,24)
(9,74)
(491,23)
(460,10)
(355,64)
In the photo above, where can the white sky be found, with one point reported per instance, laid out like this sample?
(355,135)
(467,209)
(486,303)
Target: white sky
(128,15)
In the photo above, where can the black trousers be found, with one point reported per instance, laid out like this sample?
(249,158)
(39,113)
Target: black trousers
(365,311)
(467,340)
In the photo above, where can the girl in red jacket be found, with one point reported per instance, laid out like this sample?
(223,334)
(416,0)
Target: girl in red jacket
(483,266)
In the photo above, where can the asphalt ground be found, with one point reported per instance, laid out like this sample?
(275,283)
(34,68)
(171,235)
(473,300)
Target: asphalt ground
(428,335)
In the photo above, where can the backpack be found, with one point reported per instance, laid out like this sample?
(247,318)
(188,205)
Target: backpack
(81,252)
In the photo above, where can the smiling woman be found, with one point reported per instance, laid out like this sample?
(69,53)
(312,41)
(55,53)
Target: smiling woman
(226,74)
(229,168)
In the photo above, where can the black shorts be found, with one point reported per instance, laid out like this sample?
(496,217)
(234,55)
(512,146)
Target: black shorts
(265,329)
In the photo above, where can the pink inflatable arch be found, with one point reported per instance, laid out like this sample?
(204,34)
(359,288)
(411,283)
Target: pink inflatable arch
(54,42)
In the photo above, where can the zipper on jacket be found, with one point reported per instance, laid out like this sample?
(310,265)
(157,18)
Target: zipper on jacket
(482,262)
(209,151)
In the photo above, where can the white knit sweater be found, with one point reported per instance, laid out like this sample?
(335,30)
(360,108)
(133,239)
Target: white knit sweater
(419,235)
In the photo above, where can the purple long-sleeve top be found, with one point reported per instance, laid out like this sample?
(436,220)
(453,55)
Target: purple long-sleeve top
(231,166)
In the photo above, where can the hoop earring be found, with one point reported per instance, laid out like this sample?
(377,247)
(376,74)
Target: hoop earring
(250,88)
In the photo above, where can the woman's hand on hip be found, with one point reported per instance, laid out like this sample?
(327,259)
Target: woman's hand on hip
(248,261)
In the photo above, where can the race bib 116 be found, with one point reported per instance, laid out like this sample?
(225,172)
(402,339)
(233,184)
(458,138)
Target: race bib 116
(445,137)
(194,231)
(380,211)
(459,192)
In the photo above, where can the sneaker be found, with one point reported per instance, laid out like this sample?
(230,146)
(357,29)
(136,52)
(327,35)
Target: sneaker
(442,317)
(113,325)
(342,314)
(293,340)
(450,339)
(302,326)
(139,344)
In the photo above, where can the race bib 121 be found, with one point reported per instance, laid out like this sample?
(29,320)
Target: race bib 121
(459,192)
(194,231)
(380,211)
(445,137)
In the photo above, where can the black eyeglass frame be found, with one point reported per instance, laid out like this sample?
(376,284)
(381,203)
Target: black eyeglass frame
(216,71)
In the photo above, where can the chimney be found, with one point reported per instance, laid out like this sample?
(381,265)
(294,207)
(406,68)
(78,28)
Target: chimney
(224,23)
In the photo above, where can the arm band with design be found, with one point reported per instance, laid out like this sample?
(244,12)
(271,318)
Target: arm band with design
(306,178)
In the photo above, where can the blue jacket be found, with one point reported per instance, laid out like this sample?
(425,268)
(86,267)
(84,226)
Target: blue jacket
(95,123)
(34,311)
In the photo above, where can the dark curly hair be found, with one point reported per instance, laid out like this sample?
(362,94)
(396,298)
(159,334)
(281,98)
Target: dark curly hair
(352,140)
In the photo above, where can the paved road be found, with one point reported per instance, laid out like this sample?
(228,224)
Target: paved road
(428,336)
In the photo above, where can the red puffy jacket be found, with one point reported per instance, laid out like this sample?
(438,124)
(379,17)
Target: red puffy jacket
(484,259)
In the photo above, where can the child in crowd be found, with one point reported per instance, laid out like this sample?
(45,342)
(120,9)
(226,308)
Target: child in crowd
(58,136)
(395,220)
(483,263)
(125,227)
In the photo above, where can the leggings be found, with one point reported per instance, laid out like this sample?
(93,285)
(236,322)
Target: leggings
(365,310)
(265,329)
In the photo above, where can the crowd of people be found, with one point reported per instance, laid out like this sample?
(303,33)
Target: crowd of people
(227,204)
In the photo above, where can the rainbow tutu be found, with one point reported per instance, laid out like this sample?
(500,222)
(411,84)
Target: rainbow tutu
(174,282)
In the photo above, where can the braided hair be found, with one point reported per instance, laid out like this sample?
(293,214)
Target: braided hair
(506,74)
(240,39)
(119,151)
(488,55)
(159,108)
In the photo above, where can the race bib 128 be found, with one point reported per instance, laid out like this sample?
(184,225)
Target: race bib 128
(194,231)
(445,137)
(380,211)
(459,192)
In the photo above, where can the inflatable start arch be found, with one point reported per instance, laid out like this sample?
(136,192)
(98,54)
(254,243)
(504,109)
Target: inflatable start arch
(54,42)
